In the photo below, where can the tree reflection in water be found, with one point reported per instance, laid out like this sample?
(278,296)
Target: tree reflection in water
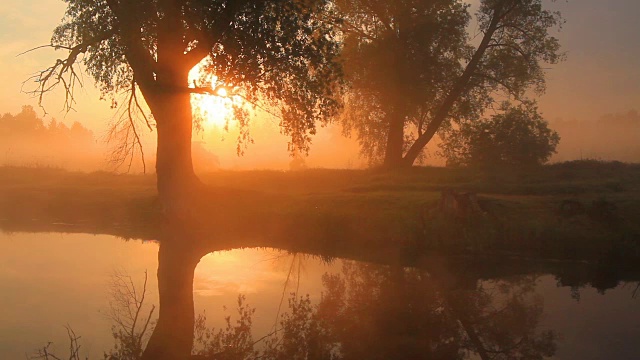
(381,312)
(367,311)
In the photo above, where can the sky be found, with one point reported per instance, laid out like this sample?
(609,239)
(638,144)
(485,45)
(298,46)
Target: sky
(601,74)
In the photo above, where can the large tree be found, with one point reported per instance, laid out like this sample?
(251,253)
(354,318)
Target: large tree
(415,66)
(274,52)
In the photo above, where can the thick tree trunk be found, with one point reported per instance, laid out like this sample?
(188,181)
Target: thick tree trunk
(395,143)
(170,103)
(176,181)
(168,97)
(172,338)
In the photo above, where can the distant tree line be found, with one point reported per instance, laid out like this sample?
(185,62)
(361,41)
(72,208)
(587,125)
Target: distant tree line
(27,124)
(25,139)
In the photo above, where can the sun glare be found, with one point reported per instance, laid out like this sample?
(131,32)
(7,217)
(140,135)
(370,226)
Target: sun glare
(222,92)
(214,109)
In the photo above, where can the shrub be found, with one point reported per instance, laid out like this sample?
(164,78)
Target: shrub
(517,136)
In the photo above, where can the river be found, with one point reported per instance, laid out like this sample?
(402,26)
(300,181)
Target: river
(50,281)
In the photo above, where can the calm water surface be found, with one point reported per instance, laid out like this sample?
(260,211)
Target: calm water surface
(49,281)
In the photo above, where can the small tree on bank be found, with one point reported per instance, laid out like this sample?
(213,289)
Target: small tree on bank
(516,137)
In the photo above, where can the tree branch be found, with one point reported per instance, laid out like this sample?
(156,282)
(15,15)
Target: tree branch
(124,133)
(195,55)
(138,57)
(63,72)
(137,139)
(515,48)
(456,91)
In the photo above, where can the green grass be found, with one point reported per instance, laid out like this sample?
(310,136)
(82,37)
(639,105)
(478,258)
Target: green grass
(355,212)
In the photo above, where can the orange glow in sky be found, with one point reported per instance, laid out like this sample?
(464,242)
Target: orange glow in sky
(215,109)
(600,76)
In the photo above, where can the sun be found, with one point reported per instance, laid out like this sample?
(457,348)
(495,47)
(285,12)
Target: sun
(214,109)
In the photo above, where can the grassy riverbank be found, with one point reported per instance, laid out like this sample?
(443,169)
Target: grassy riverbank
(355,211)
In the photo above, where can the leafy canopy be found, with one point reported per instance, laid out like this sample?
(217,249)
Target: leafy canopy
(401,57)
(273,53)
(425,64)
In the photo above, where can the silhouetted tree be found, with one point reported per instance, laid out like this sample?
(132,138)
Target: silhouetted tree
(276,52)
(26,122)
(518,136)
(413,67)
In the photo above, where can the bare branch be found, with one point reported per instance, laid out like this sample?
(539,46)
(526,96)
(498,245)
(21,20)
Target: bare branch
(123,131)
(63,72)
(137,137)
(55,47)
(126,311)
(141,110)
(74,348)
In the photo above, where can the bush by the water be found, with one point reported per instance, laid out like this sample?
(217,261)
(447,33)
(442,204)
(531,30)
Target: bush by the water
(517,136)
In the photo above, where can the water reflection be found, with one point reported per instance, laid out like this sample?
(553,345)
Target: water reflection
(454,309)
(374,312)
(366,312)
(385,312)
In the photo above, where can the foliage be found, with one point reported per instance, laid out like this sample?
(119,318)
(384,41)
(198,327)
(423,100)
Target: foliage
(413,67)
(131,326)
(398,59)
(516,137)
(232,342)
(380,312)
(270,53)
(304,334)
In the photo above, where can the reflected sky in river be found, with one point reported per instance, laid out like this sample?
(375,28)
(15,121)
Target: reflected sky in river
(50,280)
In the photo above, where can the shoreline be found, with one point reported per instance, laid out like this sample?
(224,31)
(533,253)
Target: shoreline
(367,212)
